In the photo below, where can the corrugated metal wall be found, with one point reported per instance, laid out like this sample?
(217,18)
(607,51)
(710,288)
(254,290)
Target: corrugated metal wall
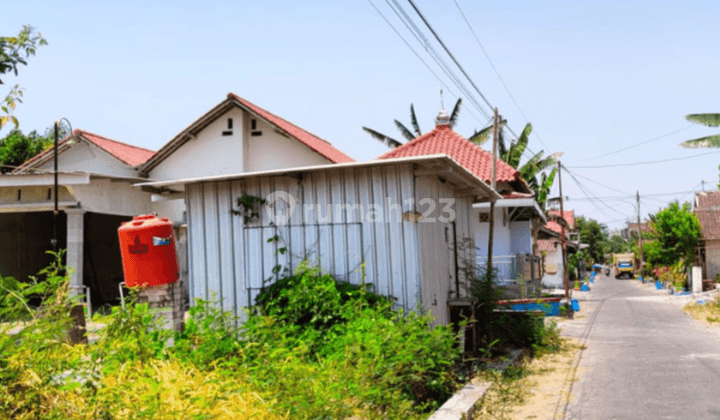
(441,241)
(233,259)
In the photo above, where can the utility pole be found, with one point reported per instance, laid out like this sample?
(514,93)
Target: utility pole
(55,187)
(493,181)
(639,233)
(566,277)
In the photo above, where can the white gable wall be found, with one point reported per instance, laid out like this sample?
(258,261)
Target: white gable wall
(273,150)
(210,153)
(86,157)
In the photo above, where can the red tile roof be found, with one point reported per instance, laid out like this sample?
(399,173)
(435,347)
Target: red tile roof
(443,139)
(547,245)
(516,194)
(569,217)
(323,147)
(130,155)
(707,209)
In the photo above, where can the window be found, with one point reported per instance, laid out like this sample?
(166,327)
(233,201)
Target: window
(484,218)
(228,132)
(253,129)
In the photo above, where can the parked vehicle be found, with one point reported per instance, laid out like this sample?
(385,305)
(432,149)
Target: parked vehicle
(624,264)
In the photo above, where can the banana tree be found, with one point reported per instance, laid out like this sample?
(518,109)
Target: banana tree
(709,120)
(406,132)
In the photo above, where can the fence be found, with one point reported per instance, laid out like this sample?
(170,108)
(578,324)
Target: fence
(509,266)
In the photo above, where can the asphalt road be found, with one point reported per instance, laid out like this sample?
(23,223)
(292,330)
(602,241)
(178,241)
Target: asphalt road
(645,359)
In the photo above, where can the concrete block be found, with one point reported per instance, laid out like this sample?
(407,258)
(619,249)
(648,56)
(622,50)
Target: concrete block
(462,404)
(697,286)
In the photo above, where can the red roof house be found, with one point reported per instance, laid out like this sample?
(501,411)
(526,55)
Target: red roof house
(443,140)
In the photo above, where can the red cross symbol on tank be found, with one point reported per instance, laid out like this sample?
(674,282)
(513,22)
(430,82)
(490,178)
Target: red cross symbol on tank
(137,247)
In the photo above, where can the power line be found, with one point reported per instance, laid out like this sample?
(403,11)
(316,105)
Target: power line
(497,73)
(602,185)
(645,163)
(418,55)
(587,193)
(639,144)
(624,197)
(447,50)
(423,41)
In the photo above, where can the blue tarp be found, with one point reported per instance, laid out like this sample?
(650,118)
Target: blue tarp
(597,266)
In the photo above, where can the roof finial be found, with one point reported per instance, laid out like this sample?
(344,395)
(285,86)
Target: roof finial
(442,118)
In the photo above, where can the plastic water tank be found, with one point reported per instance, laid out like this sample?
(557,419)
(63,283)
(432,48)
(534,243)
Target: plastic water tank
(147,246)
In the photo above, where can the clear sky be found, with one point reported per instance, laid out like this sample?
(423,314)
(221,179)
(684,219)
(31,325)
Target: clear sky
(591,77)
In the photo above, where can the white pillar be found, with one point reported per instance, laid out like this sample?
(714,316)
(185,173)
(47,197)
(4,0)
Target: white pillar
(74,256)
(697,280)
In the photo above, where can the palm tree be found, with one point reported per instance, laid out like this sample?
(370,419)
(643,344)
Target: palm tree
(407,133)
(512,155)
(709,120)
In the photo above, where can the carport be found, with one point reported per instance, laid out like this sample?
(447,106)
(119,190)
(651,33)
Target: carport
(92,207)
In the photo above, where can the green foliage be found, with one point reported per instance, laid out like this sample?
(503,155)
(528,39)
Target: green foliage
(675,231)
(618,245)
(14,51)
(16,148)
(249,207)
(408,134)
(595,235)
(709,120)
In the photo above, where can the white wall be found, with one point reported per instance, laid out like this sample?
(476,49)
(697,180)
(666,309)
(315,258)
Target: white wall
(272,150)
(210,153)
(112,197)
(554,277)
(85,157)
(501,233)
(521,237)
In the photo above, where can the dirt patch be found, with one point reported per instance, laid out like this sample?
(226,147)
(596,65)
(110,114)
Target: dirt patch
(537,390)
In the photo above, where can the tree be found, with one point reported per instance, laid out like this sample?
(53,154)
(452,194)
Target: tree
(708,120)
(14,51)
(595,235)
(512,154)
(618,245)
(675,231)
(16,148)
(407,133)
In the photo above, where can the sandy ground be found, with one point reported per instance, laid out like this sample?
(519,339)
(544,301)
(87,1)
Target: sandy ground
(541,394)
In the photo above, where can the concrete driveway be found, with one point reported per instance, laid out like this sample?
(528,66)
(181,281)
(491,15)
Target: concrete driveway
(645,359)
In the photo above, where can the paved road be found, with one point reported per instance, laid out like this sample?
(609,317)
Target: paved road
(645,359)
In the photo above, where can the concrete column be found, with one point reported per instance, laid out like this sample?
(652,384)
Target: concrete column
(74,256)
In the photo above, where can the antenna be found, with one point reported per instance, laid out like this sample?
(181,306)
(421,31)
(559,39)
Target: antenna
(442,101)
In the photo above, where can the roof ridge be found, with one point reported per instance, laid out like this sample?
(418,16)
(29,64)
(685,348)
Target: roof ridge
(80,131)
(234,96)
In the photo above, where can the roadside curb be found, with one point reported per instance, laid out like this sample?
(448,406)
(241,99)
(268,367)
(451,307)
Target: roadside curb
(461,406)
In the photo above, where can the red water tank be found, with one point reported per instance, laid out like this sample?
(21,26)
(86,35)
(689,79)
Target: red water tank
(147,246)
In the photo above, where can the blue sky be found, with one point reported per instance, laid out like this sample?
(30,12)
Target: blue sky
(591,77)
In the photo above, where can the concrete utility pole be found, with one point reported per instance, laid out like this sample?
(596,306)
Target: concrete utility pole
(493,182)
(639,234)
(562,232)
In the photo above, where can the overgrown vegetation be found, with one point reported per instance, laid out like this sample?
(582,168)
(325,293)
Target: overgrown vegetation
(311,348)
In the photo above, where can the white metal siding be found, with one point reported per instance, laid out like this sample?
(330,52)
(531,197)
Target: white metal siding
(235,260)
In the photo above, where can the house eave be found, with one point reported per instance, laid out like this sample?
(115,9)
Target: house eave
(458,173)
